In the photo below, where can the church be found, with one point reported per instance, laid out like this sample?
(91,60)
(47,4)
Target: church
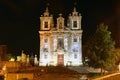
(60,44)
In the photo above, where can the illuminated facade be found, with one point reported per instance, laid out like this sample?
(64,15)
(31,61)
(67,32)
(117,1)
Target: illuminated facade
(60,44)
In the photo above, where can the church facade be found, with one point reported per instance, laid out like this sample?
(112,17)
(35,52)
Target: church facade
(60,44)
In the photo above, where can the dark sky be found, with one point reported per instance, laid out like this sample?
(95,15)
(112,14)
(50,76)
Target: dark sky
(19,20)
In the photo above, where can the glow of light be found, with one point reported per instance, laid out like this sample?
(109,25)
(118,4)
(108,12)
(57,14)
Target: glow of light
(18,58)
(12,59)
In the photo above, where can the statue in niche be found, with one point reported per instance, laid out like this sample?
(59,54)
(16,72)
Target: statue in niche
(60,25)
(60,44)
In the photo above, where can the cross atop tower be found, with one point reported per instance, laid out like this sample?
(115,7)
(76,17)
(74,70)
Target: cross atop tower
(60,15)
(46,13)
(75,13)
(74,10)
(75,3)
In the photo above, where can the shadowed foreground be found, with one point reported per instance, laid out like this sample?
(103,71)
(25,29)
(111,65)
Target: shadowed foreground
(45,73)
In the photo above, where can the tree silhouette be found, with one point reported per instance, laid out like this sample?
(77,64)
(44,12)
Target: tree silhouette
(99,48)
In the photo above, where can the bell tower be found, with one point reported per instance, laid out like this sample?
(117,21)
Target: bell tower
(46,25)
(74,24)
(46,21)
(74,20)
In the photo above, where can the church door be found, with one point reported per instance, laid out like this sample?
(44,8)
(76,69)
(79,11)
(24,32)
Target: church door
(61,60)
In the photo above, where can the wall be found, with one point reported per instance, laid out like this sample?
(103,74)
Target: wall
(10,66)
(19,76)
(3,51)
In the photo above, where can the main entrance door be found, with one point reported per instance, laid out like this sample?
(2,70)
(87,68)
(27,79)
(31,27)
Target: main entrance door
(61,59)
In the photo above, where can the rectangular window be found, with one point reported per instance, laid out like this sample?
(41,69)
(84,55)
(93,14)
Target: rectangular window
(45,56)
(75,56)
(45,50)
(45,40)
(75,24)
(46,25)
(75,40)
(75,50)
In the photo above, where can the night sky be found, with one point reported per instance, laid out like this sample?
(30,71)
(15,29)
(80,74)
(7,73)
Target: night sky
(19,20)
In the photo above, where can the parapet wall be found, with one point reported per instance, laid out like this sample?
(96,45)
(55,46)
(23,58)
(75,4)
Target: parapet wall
(19,76)
(10,66)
